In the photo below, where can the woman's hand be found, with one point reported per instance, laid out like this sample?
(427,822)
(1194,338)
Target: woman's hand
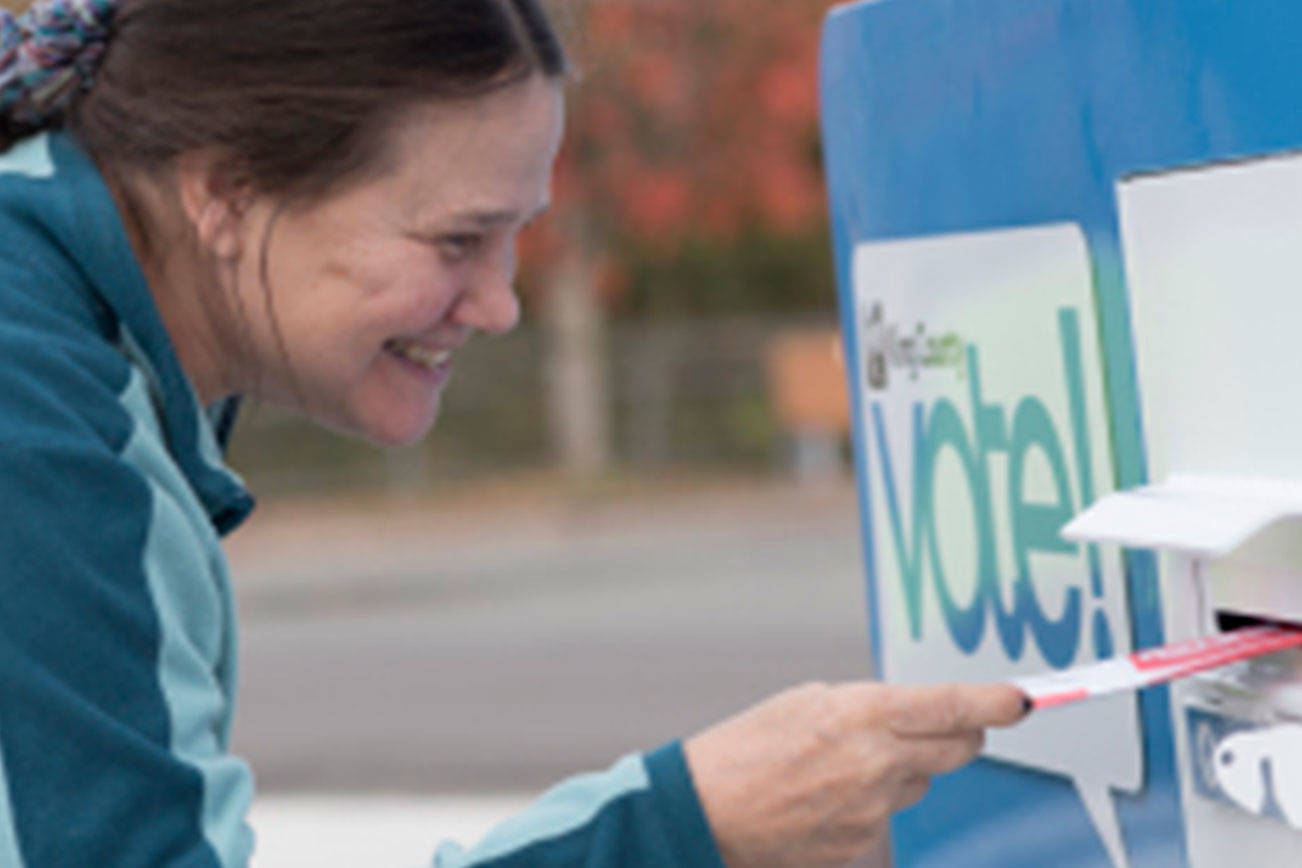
(810,777)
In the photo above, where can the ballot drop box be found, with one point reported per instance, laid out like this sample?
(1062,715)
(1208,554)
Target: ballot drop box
(1068,237)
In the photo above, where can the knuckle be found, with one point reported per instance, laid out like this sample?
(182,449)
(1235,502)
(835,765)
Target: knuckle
(946,712)
(812,692)
(815,714)
(817,697)
(836,717)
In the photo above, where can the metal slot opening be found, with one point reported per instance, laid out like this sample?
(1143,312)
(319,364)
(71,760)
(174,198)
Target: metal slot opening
(1227,620)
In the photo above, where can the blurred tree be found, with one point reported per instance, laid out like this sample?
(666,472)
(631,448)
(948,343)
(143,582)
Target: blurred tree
(690,182)
(693,136)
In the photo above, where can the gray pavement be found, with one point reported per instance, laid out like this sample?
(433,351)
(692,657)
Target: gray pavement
(499,645)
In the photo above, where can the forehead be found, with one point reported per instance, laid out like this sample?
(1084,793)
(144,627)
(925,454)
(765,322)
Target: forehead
(491,153)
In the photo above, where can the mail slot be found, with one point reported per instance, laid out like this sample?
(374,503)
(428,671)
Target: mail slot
(1068,239)
(1231,558)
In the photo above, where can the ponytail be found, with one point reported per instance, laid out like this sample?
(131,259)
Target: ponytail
(48,56)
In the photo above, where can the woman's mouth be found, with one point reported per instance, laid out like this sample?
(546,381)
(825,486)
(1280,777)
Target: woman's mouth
(429,365)
(417,354)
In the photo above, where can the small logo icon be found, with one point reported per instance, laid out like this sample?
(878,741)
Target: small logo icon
(885,348)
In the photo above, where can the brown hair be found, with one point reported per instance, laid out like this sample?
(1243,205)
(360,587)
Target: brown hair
(295,93)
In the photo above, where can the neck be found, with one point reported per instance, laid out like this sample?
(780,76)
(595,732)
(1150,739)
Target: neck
(182,280)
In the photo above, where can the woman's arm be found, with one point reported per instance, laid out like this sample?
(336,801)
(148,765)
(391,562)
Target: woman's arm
(805,779)
(641,813)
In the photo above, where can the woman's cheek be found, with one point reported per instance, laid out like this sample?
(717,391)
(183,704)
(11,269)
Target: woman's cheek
(430,289)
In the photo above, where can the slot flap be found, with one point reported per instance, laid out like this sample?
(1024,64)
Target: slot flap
(1204,516)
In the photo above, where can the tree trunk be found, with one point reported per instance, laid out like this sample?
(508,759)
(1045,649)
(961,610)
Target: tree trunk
(578,398)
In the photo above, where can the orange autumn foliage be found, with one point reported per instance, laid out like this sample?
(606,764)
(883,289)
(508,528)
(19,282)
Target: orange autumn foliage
(690,121)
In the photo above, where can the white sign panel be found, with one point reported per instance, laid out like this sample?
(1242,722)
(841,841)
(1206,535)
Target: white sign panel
(987,431)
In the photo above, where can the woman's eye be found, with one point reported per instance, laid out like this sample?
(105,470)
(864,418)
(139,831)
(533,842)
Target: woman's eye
(459,246)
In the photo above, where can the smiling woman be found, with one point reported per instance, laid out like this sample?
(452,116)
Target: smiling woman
(332,218)
(354,303)
(314,202)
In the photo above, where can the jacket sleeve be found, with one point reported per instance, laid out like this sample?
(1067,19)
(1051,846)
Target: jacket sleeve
(112,712)
(643,812)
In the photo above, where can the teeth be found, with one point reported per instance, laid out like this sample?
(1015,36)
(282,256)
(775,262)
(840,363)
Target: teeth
(415,353)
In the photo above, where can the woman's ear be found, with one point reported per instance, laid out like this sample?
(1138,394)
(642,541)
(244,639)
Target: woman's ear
(216,200)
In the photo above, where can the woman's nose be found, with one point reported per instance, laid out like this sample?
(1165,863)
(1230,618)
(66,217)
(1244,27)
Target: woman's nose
(491,305)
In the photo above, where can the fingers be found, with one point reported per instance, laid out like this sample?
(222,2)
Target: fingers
(952,708)
(937,755)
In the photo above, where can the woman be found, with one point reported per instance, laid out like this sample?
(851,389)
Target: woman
(314,202)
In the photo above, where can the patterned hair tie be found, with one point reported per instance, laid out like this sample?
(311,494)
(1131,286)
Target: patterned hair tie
(48,54)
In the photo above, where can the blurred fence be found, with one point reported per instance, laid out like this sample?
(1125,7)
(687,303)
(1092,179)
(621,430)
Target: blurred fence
(690,394)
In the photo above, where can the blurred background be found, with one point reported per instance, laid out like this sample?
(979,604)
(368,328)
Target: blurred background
(636,515)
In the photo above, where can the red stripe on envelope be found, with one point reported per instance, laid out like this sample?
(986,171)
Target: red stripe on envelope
(1063,698)
(1210,651)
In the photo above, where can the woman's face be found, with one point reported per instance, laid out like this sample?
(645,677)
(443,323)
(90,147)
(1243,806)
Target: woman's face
(365,296)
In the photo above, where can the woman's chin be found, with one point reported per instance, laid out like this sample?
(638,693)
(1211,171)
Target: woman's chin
(392,430)
(397,433)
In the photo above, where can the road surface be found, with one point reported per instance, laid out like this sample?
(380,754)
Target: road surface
(496,646)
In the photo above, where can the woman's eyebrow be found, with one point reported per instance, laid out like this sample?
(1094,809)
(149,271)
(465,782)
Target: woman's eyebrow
(497,217)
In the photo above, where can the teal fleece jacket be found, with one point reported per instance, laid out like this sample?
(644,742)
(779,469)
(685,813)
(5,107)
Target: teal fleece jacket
(117,629)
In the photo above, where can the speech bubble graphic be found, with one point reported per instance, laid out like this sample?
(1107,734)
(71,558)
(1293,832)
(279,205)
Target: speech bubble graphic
(985,430)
